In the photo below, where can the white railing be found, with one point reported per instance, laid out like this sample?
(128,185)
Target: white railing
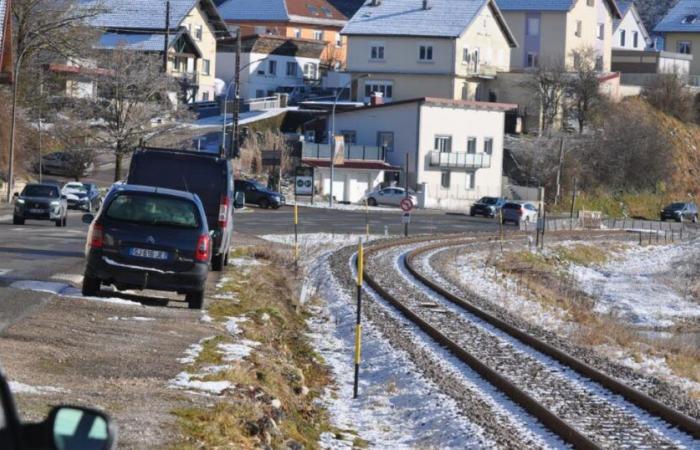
(352,152)
(465,161)
(263,103)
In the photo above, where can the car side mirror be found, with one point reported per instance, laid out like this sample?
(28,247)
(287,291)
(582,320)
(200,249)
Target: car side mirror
(78,428)
(88,218)
(239,200)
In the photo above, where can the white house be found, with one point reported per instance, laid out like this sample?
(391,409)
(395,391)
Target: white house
(454,147)
(630,32)
(271,64)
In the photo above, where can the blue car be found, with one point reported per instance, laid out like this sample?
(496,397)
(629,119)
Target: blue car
(487,207)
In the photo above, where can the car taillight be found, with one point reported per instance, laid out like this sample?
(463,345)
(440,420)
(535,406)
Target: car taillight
(96,236)
(223,212)
(203,251)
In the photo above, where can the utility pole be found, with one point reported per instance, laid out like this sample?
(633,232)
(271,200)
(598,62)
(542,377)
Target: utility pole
(234,153)
(559,170)
(166,41)
(405,186)
(573,203)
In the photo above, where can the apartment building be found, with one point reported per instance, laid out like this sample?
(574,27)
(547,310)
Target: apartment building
(405,49)
(681,31)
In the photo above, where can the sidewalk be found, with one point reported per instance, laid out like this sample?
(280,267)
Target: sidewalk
(6,211)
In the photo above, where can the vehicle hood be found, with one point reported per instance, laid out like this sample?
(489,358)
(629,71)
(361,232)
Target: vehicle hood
(38,199)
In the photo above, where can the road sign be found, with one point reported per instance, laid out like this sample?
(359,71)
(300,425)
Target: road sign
(406,204)
(304,181)
(406,218)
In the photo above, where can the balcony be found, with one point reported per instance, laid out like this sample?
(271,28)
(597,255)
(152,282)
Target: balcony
(459,161)
(352,152)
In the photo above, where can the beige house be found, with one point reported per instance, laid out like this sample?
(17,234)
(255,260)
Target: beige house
(550,30)
(681,31)
(405,49)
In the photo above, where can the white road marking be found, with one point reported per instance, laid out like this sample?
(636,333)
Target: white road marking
(4,272)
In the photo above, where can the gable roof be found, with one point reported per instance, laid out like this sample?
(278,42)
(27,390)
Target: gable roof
(443,18)
(628,7)
(321,12)
(150,14)
(673,21)
(549,5)
(5,41)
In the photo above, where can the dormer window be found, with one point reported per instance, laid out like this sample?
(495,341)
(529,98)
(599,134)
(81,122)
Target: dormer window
(690,19)
(312,9)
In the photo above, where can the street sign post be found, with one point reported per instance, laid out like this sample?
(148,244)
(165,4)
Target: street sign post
(406,218)
(304,181)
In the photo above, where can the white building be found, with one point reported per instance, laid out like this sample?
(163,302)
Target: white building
(454,147)
(630,32)
(271,64)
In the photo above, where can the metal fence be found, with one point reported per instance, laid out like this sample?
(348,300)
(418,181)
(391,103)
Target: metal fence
(352,152)
(647,229)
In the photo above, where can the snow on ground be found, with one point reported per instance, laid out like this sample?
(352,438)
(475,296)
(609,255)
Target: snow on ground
(314,240)
(66,291)
(135,319)
(343,206)
(20,388)
(632,286)
(187,381)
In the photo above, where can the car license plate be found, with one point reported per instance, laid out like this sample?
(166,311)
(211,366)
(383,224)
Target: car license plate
(36,211)
(146,253)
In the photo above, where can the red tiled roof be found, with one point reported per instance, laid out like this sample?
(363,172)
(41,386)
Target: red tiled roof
(319,9)
(355,164)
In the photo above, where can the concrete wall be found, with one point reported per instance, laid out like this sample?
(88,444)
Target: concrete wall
(349,185)
(671,45)
(207,45)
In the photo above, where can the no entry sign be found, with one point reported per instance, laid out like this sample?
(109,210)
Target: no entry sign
(406,204)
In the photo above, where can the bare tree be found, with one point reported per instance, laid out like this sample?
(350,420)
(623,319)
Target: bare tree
(75,140)
(548,83)
(583,88)
(44,25)
(134,101)
(669,94)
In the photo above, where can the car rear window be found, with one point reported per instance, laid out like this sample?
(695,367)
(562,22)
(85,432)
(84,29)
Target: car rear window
(155,210)
(512,206)
(41,191)
(489,201)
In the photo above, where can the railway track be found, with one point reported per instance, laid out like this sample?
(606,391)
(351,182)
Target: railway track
(583,406)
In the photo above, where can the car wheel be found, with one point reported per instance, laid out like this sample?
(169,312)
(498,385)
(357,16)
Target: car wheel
(195,300)
(472,214)
(372,201)
(226,257)
(264,203)
(91,286)
(217,262)
(64,223)
(276,206)
(59,222)
(16,220)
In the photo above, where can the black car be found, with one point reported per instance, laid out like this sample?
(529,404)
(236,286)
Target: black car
(204,174)
(82,196)
(149,238)
(65,428)
(258,194)
(487,207)
(41,202)
(680,211)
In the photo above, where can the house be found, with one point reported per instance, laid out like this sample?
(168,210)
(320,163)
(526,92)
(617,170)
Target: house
(550,30)
(315,20)
(454,148)
(271,64)
(681,33)
(630,32)
(405,49)
(6,58)
(192,30)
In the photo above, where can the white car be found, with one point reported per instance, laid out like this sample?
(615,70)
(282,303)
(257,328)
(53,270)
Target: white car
(390,196)
(518,212)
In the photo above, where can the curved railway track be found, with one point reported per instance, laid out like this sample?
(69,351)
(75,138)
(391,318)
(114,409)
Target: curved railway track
(582,405)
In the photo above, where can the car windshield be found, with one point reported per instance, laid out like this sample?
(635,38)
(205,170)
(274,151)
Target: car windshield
(258,186)
(676,206)
(75,187)
(489,200)
(154,210)
(40,191)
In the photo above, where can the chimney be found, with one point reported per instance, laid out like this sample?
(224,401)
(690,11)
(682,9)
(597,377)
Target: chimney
(377,98)
(425,4)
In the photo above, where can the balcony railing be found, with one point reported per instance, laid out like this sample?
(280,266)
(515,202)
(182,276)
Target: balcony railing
(352,152)
(464,161)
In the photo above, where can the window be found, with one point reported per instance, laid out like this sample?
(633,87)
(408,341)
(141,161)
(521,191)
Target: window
(689,19)
(443,144)
(466,56)
(310,71)
(198,32)
(532,60)
(488,146)
(386,88)
(471,145)
(338,40)
(259,93)
(272,68)
(349,136)
(533,26)
(425,53)
(205,96)
(385,139)
(471,181)
(623,36)
(599,63)
(579,28)
(601,31)
(206,67)
(445,179)
(318,35)
(635,39)
(292,69)
(326,12)
(376,52)
(590,2)
(297,33)
(154,211)
(684,47)
(261,69)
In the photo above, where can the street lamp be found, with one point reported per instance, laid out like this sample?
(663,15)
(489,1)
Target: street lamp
(331,136)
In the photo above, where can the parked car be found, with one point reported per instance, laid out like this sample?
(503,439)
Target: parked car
(204,174)
(82,195)
(41,202)
(258,194)
(680,211)
(60,163)
(149,238)
(390,196)
(487,207)
(65,428)
(519,212)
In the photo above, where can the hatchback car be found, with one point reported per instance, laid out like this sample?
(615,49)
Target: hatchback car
(41,202)
(680,212)
(487,207)
(390,196)
(82,195)
(149,238)
(519,212)
(258,194)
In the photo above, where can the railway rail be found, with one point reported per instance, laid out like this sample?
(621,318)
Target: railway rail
(582,405)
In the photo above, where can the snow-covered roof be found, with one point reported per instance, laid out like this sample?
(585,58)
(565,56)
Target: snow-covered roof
(145,42)
(547,5)
(442,18)
(682,18)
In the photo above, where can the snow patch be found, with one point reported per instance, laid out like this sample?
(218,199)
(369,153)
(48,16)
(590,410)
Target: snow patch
(185,380)
(232,325)
(237,351)
(20,388)
(65,290)
(135,319)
